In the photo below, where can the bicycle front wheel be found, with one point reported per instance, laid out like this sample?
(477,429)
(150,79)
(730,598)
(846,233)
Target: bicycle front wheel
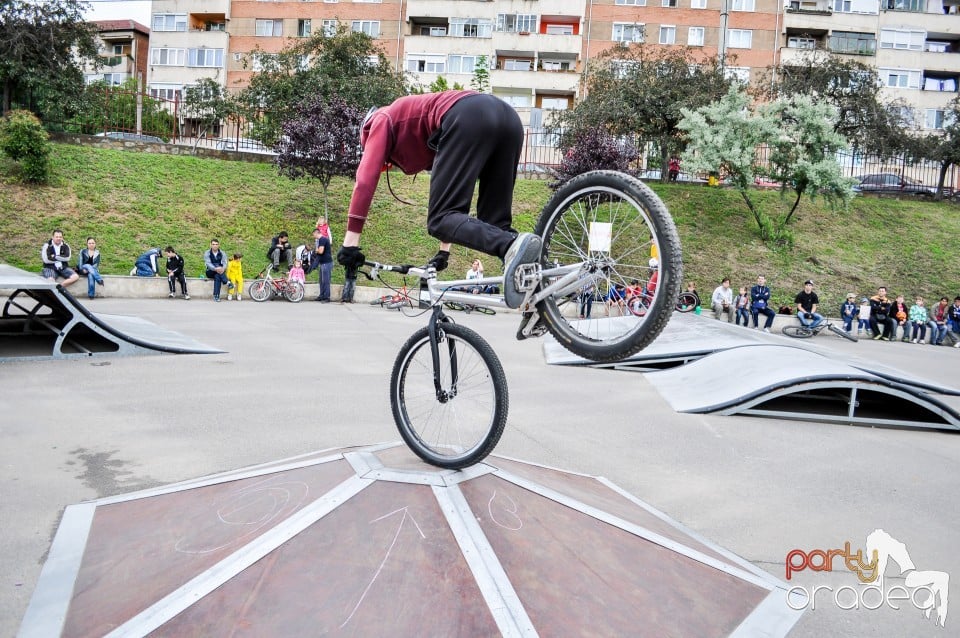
(293,291)
(686,302)
(460,423)
(260,290)
(798,332)
(453,305)
(849,336)
(614,223)
(485,310)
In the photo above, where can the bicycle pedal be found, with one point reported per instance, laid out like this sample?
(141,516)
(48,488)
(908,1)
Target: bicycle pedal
(527,277)
(532,325)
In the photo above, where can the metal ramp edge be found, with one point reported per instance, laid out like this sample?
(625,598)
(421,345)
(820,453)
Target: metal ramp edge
(825,390)
(41,320)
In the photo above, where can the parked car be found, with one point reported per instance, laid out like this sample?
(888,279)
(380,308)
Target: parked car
(130,137)
(243,145)
(893,183)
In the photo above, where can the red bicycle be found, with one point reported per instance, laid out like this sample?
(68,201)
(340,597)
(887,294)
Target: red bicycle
(265,287)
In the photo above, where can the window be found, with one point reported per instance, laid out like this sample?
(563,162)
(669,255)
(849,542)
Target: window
(801,43)
(461,63)
(259,61)
(946,85)
(516,23)
(902,39)
(668,35)
(517,65)
(856,6)
(167,57)
(516,100)
(559,29)
(900,78)
(434,32)
(470,28)
(695,36)
(555,65)
(623,68)
(370,27)
(852,42)
(111,79)
(303,28)
(329,28)
(627,32)
(269,27)
(739,74)
(698,4)
(555,103)
(169,22)
(739,38)
(914,6)
(668,3)
(422,63)
(632,3)
(743,5)
(215,26)
(205,57)
(165,91)
(936,118)
(118,49)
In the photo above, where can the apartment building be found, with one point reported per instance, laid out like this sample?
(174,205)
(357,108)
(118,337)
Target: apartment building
(914,45)
(124,49)
(188,42)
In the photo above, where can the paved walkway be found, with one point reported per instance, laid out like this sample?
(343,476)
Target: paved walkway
(304,377)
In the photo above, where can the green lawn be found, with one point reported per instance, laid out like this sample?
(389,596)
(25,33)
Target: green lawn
(130,201)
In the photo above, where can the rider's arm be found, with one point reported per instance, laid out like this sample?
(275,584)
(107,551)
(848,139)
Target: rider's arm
(375,156)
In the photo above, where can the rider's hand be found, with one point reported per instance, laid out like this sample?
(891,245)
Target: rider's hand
(350,257)
(440,260)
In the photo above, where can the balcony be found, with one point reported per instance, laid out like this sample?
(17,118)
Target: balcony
(809,8)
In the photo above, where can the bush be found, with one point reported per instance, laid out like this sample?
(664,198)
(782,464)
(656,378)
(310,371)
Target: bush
(593,149)
(23,139)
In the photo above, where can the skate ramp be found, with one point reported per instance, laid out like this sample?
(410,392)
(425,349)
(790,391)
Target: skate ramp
(370,542)
(41,320)
(792,383)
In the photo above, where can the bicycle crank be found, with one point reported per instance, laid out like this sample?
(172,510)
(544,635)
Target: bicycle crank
(532,325)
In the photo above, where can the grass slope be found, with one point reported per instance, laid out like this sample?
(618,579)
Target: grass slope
(130,201)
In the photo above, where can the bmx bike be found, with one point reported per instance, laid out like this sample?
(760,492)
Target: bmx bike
(448,391)
(805,332)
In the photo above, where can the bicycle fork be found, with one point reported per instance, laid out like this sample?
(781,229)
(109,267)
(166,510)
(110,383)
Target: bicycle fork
(435,330)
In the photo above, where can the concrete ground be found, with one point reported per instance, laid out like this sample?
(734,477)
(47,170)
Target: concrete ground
(304,377)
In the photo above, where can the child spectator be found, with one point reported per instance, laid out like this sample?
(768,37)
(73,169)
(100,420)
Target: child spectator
(900,314)
(296,273)
(938,321)
(175,273)
(742,305)
(235,276)
(918,317)
(849,311)
(863,324)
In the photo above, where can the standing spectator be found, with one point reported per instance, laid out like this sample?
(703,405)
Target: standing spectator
(235,275)
(722,301)
(280,250)
(673,168)
(881,323)
(742,303)
(918,318)
(760,304)
(216,264)
(147,264)
(175,273)
(900,314)
(849,311)
(586,300)
(938,321)
(55,256)
(324,255)
(807,301)
(89,264)
(953,321)
(863,323)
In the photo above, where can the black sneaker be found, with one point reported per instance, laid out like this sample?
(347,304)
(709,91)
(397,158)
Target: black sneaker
(525,249)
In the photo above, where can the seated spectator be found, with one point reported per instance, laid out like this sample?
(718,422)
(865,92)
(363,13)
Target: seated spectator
(147,264)
(918,320)
(953,321)
(55,256)
(722,301)
(760,304)
(175,273)
(881,323)
(807,301)
(616,296)
(280,250)
(849,311)
(216,265)
(89,264)
(863,323)
(742,304)
(475,272)
(901,316)
(692,289)
(938,321)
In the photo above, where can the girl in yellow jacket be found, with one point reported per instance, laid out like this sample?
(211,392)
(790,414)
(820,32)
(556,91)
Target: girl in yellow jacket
(235,275)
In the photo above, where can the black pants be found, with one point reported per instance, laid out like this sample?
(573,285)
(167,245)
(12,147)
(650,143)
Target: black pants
(480,138)
(889,327)
(171,280)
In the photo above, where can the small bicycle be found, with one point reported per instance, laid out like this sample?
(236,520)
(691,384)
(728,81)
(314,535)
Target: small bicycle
(266,287)
(639,304)
(805,332)
(469,307)
(399,299)
(448,391)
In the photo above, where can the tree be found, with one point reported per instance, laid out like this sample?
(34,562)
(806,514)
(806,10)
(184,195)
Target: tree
(481,75)
(321,141)
(206,103)
(941,147)
(641,91)
(108,108)
(593,149)
(441,84)
(23,139)
(724,137)
(41,45)
(325,65)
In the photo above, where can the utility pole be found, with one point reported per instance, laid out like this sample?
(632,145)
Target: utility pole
(722,47)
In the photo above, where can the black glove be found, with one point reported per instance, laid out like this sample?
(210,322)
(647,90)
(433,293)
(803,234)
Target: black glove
(439,261)
(351,258)
(808,315)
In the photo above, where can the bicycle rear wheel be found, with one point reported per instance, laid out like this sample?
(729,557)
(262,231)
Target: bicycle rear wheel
(400,303)
(842,333)
(798,332)
(462,423)
(637,225)
(636,306)
(686,302)
(453,305)
(293,291)
(260,290)
(485,310)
